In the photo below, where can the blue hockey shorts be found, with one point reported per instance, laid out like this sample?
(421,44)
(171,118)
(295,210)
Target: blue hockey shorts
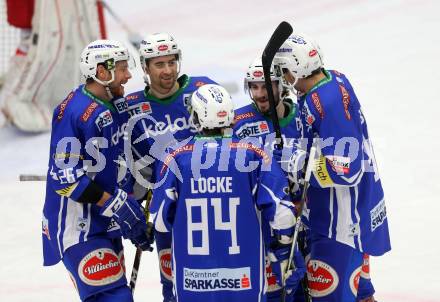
(333,270)
(97,270)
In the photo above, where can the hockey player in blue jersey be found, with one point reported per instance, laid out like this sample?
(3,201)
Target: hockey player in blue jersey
(160,117)
(85,213)
(346,207)
(215,211)
(253,120)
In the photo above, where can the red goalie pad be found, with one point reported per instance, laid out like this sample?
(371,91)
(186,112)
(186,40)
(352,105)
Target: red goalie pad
(20,13)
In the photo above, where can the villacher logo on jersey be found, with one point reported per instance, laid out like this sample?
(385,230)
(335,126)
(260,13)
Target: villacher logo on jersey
(323,279)
(204,280)
(165,263)
(100,267)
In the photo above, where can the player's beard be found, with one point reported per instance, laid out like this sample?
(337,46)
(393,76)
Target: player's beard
(167,83)
(117,90)
(262,104)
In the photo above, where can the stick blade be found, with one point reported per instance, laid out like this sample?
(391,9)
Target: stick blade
(281,33)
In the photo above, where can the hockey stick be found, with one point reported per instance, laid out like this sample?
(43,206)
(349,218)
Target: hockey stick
(31,177)
(138,255)
(281,33)
(300,208)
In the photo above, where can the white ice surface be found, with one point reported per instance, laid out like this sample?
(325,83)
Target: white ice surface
(389,50)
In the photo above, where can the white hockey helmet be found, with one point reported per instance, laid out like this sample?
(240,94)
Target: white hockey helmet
(212,107)
(106,52)
(301,55)
(158,45)
(255,73)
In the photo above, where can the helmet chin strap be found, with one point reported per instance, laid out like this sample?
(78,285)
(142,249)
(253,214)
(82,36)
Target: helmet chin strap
(286,85)
(107,83)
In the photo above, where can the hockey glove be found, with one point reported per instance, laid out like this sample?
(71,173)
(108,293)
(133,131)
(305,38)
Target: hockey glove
(296,172)
(144,240)
(293,276)
(127,212)
(283,224)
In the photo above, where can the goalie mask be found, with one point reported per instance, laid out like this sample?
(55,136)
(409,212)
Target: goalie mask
(211,107)
(300,55)
(106,52)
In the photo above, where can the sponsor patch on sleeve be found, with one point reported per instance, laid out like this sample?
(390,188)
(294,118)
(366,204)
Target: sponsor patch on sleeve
(378,215)
(104,119)
(339,164)
(321,173)
(345,101)
(45,227)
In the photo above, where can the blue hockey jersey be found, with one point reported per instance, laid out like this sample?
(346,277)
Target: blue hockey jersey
(249,122)
(215,216)
(345,200)
(156,124)
(86,144)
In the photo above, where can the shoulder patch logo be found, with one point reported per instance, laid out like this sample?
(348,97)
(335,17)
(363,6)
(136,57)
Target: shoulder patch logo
(317,102)
(63,106)
(131,97)
(345,101)
(169,157)
(243,116)
(260,152)
(88,112)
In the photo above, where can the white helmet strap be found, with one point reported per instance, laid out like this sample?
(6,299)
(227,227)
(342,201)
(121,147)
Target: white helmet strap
(106,83)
